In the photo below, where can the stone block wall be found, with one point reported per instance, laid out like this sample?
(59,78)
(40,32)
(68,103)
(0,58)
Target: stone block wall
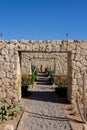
(9,71)
(55,61)
(10,61)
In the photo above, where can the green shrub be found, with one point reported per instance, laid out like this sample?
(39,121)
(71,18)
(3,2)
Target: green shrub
(49,71)
(26,79)
(33,78)
(9,110)
(35,70)
(60,80)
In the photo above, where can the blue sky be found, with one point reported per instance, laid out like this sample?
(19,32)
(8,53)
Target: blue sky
(43,19)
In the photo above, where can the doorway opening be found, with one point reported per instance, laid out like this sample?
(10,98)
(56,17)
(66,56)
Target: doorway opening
(57,62)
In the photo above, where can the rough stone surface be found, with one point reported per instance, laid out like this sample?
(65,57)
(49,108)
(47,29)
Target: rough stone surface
(57,61)
(11,54)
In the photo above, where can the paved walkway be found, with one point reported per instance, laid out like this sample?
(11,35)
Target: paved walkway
(44,110)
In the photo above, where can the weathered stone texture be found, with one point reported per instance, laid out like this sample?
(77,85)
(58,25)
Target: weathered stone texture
(54,61)
(72,60)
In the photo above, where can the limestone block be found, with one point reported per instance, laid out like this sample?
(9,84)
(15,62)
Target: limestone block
(1,58)
(73,64)
(84,68)
(7,58)
(9,75)
(83,61)
(1,65)
(63,47)
(57,47)
(78,64)
(35,47)
(79,81)
(13,66)
(4,51)
(6,81)
(28,47)
(42,47)
(78,76)
(83,52)
(12,83)
(9,46)
(2,74)
(71,46)
(77,57)
(83,45)
(72,56)
(14,59)
(73,51)
(48,47)
(74,81)
(23,47)
(78,51)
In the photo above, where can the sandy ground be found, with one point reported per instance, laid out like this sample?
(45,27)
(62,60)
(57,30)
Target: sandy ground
(73,115)
(74,118)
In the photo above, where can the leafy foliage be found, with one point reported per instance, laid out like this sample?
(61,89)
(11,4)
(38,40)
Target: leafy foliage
(61,82)
(9,110)
(33,78)
(26,79)
(49,71)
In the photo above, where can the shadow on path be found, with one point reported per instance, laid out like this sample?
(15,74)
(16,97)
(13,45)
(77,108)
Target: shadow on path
(44,91)
(46,97)
(43,108)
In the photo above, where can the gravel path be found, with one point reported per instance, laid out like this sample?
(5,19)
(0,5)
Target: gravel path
(44,110)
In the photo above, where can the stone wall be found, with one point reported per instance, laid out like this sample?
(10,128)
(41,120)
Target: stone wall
(54,61)
(10,76)
(10,60)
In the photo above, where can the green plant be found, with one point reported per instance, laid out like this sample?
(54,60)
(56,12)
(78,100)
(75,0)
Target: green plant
(35,70)
(50,72)
(8,109)
(26,79)
(60,80)
(33,78)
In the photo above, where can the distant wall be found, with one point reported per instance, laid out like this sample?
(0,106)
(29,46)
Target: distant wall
(57,62)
